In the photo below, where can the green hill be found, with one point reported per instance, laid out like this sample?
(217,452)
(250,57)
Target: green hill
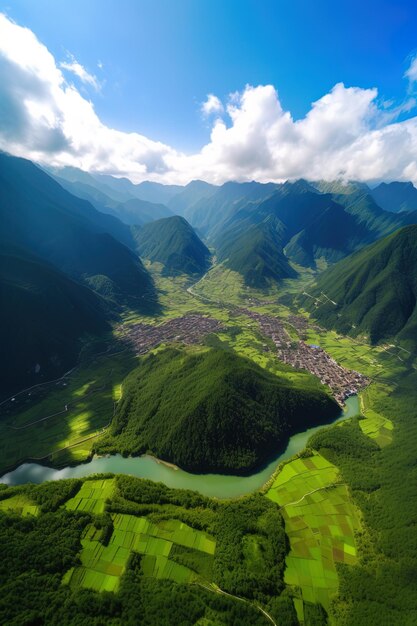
(211,411)
(43,316)
(38,215)
(375,290)
(172,242)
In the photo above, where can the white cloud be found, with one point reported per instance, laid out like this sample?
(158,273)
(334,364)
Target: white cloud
(76,68)
(212,105)
(346,134)
(411,72)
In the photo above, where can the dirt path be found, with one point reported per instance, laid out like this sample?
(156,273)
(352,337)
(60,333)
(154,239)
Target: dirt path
(332,486)
(215,589)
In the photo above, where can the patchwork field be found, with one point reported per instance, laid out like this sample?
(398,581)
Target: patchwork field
(103,565)
(92,496)
(320,521)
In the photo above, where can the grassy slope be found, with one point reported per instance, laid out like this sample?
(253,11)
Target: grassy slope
(210,410)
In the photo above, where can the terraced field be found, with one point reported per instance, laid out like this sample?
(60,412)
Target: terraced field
(320,521)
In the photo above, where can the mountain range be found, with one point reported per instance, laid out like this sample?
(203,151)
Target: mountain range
(83,236)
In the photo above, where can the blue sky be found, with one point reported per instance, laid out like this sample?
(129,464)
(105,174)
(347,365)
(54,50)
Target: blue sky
(311,88)
(162,57)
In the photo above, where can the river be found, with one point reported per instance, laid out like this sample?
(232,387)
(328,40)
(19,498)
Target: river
(214,485)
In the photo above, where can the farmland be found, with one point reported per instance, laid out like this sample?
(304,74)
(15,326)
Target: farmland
(103,565)
(322,496)
(320,521)
(121,529)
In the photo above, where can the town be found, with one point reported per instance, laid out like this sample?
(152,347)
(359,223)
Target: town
(299,354)
(188,329)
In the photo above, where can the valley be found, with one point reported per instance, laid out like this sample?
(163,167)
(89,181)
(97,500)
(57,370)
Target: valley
(244,325)
(227,432)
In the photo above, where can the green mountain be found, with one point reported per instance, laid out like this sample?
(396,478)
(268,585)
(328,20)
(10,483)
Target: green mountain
(256,253)
(211,411)
(396,197)
(38,215)
(172,242)
(374,291)
(307,225)
(211,212)
(44,315)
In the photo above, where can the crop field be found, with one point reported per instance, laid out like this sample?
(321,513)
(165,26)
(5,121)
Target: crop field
(19,504)
(174,299)
(102,566)
(92,496)
(375,425)
(320,521)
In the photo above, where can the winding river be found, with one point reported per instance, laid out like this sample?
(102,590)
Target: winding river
(214,485)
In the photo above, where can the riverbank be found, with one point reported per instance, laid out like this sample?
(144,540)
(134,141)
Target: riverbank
(220,486)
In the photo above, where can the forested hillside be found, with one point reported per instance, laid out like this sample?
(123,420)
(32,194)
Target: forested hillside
(373,291)
(41,217)
(211,411)
(172,242)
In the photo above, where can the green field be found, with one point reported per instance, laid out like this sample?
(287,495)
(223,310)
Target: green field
(320,521)
(102,566)
(133,538)
(20,504)
(46,429)
(375,425)
(92,496)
